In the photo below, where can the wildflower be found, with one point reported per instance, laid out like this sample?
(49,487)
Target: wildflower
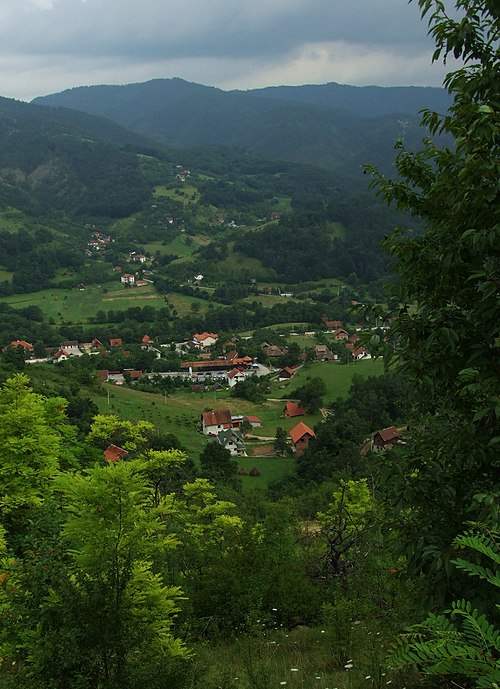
(322,631)
(294,669)
(389,681)
(275,609)
(282,682)
(368,677)
(348,666)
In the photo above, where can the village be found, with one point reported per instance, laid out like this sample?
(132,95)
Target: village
(206,365)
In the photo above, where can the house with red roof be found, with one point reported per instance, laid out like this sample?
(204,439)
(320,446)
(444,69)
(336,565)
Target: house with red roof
(127,279)
(386,438)
(234,376)
(205,339)
(114,453)
(292,409)
(215,421)
(27,346)
(286,373)
(301,436)
(332,325)
(254,421)
(340,334)
(60,356)
(116,342)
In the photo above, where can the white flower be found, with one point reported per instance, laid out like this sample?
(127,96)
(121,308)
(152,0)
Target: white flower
(348,666)
(282,682)
(294,669)
(368,677)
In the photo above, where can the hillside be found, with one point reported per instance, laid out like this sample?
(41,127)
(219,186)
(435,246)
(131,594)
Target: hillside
(229,215)
(332,126)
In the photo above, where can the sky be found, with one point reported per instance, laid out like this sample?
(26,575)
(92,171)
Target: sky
(47,46)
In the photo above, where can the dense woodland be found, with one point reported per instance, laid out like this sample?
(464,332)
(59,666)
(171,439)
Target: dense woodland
(358,569)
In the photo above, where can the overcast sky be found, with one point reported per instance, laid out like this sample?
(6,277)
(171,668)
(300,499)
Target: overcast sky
(50,45)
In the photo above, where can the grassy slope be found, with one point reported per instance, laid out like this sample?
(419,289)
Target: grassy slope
(75,306)
(336,376)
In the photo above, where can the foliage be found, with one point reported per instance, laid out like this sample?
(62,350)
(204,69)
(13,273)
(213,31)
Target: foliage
(311,394)
(461,642)
(349,515)
(281,446)
(445,335)
(217,464)
(32,444)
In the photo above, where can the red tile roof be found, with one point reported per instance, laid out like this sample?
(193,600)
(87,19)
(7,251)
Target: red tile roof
(113,453)
(299,431)
(388,434)
(21,343)
(293,409)
(203,336)
(116,342)
(219,417)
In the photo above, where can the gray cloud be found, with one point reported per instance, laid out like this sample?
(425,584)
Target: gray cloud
(48,45)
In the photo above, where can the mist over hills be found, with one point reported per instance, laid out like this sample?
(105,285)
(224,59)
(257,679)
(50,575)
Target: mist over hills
(332,126)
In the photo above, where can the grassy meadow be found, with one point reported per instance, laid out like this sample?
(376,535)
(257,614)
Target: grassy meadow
(337,377)
(81,306)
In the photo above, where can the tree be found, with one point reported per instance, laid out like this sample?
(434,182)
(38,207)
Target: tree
(124,610)
(311,394)
(281,446)
(34,441)
(347,518)
(446,330)
(217,464)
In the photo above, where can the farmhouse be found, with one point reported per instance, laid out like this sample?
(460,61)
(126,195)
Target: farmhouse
(127,279)
(254,421)
(27,346)
(332,325)
(232,440)
(323,353)
(60,356)
(286,373)
(386,438)
(114,453)
(215,421)
(340,334)
(301,436)
(292,409)
(71,347)
(235,376)
(116,342)
(205,339)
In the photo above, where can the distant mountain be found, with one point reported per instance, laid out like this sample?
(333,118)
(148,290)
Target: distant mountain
(62,160)
(333,126)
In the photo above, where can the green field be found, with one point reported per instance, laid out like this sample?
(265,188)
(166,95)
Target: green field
(75,306)
(336,376)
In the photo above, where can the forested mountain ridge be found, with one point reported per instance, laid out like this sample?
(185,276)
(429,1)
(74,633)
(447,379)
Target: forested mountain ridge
(61,170)
(331,126)
(61,160)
